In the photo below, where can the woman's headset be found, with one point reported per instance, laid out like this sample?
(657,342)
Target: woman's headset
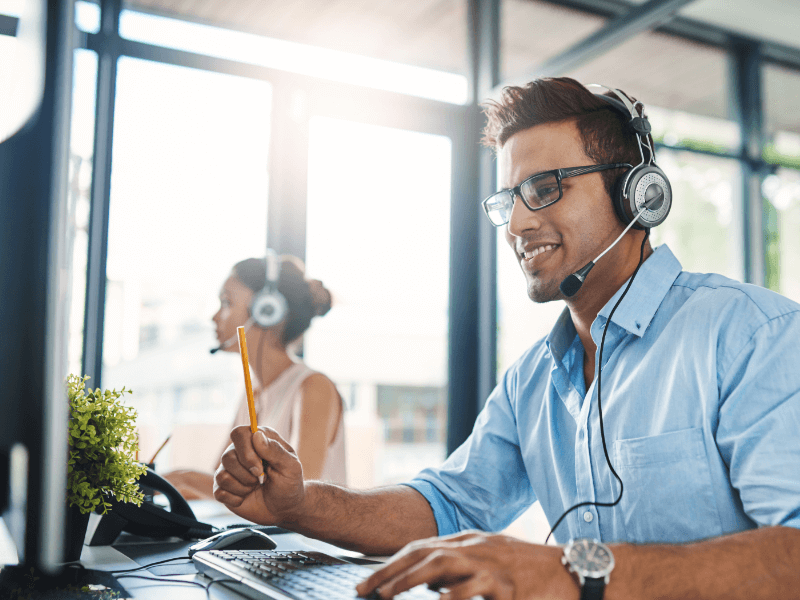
(268,307)
(645,182)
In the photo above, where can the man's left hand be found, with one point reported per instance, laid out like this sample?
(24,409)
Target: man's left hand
(497,567)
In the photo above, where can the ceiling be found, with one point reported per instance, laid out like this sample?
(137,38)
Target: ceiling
(670,72)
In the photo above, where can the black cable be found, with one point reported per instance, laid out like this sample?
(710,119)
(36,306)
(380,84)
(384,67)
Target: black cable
(599,402)
(159,562)
(161,580)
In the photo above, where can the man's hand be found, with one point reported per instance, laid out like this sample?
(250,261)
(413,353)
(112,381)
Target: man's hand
(469,564)
(236,482)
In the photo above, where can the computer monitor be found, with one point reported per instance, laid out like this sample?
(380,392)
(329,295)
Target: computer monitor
(33,274)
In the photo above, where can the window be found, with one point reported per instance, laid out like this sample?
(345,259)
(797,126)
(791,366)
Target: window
(188,201)
(378,238)
(424,33)
(333,59)
(782,190)
(533,31)
(81,150)
(704,228)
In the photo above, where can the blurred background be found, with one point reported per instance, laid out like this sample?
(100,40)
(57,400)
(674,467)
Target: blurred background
(346,132)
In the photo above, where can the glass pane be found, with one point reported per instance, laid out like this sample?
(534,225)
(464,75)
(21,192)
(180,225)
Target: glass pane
(188,201)
(425,33)
(781,89)
(533,31)
(87,16)
(691,80)
(383,46)
(378,237)
(704,228)
(81,150)
(783,191)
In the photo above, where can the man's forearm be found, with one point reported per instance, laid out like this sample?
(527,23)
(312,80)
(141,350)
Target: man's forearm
(378,522)
(762,563)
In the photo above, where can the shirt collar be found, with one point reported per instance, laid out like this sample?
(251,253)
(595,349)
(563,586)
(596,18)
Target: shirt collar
(652,282)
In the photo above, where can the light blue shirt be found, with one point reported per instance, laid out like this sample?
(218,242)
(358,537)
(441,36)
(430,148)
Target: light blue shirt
(701,410)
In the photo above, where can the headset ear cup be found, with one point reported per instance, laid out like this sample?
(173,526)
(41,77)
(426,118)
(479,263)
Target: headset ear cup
(643,182)
(268,308)
(618,199)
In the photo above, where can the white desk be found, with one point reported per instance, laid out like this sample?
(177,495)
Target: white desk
(107,558)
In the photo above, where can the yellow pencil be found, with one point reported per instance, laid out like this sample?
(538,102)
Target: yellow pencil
(251,403)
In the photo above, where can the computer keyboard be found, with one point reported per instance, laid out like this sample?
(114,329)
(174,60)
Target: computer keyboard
(295,575)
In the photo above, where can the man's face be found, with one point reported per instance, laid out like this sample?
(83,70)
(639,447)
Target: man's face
(568,234)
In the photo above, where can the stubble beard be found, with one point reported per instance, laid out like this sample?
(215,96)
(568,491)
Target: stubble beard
(543,291)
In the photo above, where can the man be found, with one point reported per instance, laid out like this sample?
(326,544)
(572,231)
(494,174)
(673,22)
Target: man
(700,409)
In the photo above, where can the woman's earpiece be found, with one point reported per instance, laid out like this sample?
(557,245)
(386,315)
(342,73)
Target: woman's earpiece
(269,307)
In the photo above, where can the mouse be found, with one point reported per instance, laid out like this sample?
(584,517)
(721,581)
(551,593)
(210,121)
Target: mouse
(235,539)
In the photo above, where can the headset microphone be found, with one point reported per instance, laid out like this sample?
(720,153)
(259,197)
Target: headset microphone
(571,284)
(229,342)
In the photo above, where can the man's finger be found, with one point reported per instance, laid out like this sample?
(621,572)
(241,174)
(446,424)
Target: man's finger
(272,452)
(228,481)
(230,463)
(274,435)
(246,454)
(439,568)
(399,563)
(483,585)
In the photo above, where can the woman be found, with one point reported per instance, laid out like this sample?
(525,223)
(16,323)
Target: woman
(302,405)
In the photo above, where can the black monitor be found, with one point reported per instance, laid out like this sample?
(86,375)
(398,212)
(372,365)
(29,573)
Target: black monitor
(33,275)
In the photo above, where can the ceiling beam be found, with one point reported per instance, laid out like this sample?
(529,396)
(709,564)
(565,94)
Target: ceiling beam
(691,29)
(8,25)
(619,29)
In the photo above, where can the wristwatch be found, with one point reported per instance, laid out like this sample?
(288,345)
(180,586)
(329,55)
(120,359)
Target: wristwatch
(592,562)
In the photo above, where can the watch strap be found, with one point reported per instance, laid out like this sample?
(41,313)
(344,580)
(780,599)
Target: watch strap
(593,588)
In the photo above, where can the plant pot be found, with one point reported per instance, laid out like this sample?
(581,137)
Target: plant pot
(77,522)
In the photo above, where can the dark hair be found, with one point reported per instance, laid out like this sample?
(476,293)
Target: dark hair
(305,298)
(603,129)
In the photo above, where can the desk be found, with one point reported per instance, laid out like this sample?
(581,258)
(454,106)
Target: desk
(111,558)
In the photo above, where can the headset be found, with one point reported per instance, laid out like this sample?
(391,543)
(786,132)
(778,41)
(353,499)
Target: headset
(644,183)
(268,306)
(642,199)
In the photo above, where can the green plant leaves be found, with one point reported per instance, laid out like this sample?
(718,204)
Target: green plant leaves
(102,448)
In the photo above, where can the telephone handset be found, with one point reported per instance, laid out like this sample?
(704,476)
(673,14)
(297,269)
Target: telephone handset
(150,519)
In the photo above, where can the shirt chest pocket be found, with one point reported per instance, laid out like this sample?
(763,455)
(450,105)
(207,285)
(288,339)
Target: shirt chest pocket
(668,495)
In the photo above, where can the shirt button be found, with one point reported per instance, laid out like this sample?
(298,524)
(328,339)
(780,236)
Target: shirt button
(587,516)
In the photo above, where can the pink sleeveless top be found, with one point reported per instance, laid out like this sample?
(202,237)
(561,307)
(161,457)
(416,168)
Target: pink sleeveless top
(278,406)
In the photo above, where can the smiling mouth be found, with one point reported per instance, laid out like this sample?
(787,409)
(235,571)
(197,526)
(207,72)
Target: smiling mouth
(538,251)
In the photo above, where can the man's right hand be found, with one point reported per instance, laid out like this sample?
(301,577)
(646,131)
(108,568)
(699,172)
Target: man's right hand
(236,482)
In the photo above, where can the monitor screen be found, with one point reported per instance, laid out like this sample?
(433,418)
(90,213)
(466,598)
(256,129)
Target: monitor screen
(33,274)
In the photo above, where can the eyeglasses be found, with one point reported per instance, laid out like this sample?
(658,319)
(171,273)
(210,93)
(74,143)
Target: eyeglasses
(537,191)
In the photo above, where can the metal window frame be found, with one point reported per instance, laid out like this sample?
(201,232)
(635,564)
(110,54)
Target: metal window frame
(472,344)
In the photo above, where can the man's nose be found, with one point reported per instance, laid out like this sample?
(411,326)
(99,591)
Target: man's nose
(522,218)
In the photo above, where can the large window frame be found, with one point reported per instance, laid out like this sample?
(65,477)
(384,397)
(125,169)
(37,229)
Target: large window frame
(472,346)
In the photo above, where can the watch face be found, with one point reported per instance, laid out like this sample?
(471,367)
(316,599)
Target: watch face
(590,558)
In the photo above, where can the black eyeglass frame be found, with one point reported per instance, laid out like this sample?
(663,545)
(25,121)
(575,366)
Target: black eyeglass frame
(516,191)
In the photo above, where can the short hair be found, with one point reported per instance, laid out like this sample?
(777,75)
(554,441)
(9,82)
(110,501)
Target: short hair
(603,129)
(305,298)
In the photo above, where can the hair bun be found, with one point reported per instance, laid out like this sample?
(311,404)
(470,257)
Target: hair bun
(320,296)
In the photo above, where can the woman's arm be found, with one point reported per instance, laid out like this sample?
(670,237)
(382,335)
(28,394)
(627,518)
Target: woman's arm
(193,485)
(320,412)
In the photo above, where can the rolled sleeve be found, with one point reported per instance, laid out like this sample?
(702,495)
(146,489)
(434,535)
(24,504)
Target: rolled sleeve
(483,484)
(759,421)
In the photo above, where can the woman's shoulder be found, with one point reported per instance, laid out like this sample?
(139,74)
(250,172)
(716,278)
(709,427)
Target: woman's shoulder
(319,383)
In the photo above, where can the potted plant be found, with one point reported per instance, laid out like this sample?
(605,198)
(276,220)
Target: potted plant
(102,457)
